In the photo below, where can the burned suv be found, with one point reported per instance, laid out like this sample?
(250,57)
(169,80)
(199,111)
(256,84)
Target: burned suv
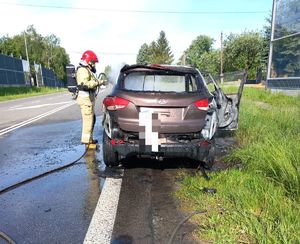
(162,111)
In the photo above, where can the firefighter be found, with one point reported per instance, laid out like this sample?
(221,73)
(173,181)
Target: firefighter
(87,85)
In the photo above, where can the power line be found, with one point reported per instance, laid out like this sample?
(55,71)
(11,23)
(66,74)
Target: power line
(134,10)
(107,53)
(114,53)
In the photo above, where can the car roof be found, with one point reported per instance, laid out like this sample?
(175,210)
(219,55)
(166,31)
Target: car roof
(161,67)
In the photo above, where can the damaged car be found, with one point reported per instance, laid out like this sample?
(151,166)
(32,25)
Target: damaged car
(165,111)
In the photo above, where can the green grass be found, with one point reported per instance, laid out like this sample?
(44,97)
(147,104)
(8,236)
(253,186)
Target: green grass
(260,198)
(9,93)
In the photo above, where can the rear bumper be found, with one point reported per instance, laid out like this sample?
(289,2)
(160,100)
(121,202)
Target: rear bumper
(196,151)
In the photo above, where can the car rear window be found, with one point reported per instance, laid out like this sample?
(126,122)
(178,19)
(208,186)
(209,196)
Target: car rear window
(141,81)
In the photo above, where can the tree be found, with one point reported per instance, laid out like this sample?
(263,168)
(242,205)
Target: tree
(43,50)
(51,43)
(143,55)
(14,46)
(59,61)
(162,51)
(200,54)
(243,51)
(158,52)
(152,53)
(266,35)
(202,44)
(210,62)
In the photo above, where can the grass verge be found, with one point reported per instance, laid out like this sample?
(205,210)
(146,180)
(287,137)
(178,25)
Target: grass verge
(10,93)
(257,202)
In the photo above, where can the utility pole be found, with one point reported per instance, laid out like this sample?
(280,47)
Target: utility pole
(183,61)
(26,47)
(50,56)
(221,54)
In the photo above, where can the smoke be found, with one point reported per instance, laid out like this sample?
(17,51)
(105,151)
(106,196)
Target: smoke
(113,74)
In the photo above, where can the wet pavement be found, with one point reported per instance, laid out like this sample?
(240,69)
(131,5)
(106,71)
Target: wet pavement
(57,208)
(36,149)
(148,211)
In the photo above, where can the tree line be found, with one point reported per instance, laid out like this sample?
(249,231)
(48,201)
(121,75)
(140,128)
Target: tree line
(248,50)
(44,50)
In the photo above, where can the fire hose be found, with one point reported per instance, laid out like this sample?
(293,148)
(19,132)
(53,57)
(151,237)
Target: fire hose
(5,237)
(9,188)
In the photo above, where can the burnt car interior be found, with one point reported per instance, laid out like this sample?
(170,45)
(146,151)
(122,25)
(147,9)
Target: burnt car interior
(159,82)
(227,104)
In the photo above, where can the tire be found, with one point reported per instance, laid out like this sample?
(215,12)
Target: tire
(209,158)
(110,157)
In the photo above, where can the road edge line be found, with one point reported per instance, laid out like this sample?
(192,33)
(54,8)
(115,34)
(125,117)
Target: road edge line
(36,118)
(102,223)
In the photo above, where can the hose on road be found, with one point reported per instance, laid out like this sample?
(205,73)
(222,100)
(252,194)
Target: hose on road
(181,223)
(9,188)
(6,238)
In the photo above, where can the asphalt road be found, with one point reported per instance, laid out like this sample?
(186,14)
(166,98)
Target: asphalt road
(57,208)
(61,207)
(16,111)
(148,212)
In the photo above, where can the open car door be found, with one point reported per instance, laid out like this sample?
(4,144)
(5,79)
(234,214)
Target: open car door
(228,105)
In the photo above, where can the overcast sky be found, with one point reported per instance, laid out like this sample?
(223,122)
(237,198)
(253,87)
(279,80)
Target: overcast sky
(116,29)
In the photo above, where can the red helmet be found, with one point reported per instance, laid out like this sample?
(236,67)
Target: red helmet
(89,56)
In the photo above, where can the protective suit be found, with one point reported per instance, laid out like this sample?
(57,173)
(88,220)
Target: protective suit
(87,85)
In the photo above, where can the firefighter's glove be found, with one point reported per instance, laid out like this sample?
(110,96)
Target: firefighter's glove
(105,82)
(102,82)
(99,82)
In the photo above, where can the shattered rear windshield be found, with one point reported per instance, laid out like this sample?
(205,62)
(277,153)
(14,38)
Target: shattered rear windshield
(149,82)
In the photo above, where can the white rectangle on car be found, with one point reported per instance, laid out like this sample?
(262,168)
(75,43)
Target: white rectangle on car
(151,138)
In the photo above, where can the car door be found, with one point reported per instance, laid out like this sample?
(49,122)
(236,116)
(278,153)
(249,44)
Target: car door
(227,105)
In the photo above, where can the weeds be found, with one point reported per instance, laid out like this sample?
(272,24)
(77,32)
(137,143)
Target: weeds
(270,138)
(261,200)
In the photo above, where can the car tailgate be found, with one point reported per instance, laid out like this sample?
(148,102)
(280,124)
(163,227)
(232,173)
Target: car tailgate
(170,112)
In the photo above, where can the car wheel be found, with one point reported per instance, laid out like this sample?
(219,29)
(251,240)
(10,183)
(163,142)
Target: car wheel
(110,157)
(209,159)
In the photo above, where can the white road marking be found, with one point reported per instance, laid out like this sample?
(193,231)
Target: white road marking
(31,120)
(26,122)
(35,106)
(102,223)
(17,106)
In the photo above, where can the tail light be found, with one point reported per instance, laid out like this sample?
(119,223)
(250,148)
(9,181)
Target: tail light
(115,103)
(202,104)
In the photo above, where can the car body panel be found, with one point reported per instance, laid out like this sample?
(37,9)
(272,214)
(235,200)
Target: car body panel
(228,105)
(176,115)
